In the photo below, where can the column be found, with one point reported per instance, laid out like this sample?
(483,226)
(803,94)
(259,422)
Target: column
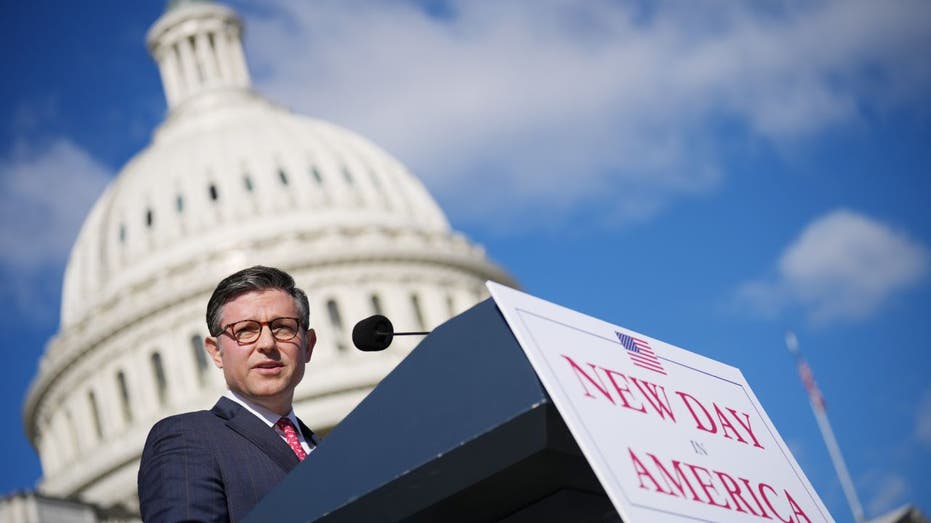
(206,57)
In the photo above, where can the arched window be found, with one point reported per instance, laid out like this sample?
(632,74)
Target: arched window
(450,305)
(337,321)
(316,174)
(95,414)
(200,357)
(376,304)
(158,371)
(333,310)
(282,176)
(124,396)
(348,176)
(418,312)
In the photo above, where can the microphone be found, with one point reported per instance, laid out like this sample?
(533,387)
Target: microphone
(375,333)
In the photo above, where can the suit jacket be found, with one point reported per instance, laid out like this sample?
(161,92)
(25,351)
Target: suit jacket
(211,465)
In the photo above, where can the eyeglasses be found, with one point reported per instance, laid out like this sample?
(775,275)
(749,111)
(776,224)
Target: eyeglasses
(249,331)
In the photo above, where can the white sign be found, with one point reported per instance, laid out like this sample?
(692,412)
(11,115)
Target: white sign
(671,435)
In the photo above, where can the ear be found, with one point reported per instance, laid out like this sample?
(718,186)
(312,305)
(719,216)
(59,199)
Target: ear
(311,341)
(212,346)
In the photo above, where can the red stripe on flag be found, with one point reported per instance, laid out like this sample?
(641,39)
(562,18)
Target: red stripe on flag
(808,380)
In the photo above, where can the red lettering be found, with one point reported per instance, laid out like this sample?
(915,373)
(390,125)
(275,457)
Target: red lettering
(770,505)
(707,485)
(733,489)
(661,406)
(622,390)
(711,427)
(677,481)
(579,373)
(672,479)
(642,471)
(796,510)
(763,512)
(726,423)
(756,442)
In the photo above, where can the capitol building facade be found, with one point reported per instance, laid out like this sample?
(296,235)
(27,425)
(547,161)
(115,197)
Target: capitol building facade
(230,180)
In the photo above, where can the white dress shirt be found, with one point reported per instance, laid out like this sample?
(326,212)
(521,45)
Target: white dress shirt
(271,419)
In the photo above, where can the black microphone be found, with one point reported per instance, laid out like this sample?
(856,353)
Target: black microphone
(375,333)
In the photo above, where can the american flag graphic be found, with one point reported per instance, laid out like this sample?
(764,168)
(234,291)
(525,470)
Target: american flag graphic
(808,379)
(640,353)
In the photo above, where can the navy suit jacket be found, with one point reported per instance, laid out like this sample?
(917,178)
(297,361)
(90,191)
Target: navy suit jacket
(211,465)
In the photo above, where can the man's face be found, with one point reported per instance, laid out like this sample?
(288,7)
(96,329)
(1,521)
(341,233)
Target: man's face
(265,371)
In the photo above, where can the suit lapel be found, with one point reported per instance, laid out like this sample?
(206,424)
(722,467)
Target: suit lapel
(256,431)
(308,434)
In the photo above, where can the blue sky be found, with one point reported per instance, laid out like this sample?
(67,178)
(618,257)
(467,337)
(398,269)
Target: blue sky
(710,174)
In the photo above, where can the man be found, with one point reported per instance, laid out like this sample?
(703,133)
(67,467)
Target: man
(216,465)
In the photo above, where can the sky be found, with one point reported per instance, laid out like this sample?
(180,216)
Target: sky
(712,174)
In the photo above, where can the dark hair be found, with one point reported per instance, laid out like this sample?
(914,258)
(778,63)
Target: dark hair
(253,279)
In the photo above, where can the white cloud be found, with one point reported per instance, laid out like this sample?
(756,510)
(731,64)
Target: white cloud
(844,266)
(887,491)
(44,197)
(565,105)
(45,194)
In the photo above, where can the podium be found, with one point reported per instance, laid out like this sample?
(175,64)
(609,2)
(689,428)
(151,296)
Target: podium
(461,431)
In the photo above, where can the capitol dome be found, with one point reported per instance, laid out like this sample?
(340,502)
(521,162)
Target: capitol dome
(230,180)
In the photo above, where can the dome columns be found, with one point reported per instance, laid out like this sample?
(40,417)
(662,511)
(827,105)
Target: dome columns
(198,48)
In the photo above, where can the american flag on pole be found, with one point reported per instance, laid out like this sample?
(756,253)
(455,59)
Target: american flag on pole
(640,353)
(808,379)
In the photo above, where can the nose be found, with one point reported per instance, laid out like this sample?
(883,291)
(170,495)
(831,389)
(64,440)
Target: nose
(266,341)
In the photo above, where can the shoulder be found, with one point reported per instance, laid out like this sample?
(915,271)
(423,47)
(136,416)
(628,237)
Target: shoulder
(186,419)
(179,474)
(183,424)
(176,434)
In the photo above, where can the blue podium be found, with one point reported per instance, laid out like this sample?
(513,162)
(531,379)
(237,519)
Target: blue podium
(461,431)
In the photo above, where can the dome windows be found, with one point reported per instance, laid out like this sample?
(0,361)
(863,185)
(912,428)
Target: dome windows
(158,372)
(212,191)
(149,218)
(347,176)
(124,396)
(450,305)
(336,320)
(333,310)
(247,183)
(418,311)
(179,203)
(315,172)
(283,176)
(376,304)
(95,414)
(200,357)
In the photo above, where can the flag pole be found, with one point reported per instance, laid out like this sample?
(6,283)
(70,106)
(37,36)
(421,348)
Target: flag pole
(817,406)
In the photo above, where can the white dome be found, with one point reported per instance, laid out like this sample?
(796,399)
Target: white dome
(236,177)
(230,180)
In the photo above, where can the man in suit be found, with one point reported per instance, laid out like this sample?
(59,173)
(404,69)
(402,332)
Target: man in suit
(216,465)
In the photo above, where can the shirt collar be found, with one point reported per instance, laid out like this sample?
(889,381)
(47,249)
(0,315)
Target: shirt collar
(266,415)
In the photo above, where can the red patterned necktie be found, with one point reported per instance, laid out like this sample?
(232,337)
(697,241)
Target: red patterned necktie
(290,434)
